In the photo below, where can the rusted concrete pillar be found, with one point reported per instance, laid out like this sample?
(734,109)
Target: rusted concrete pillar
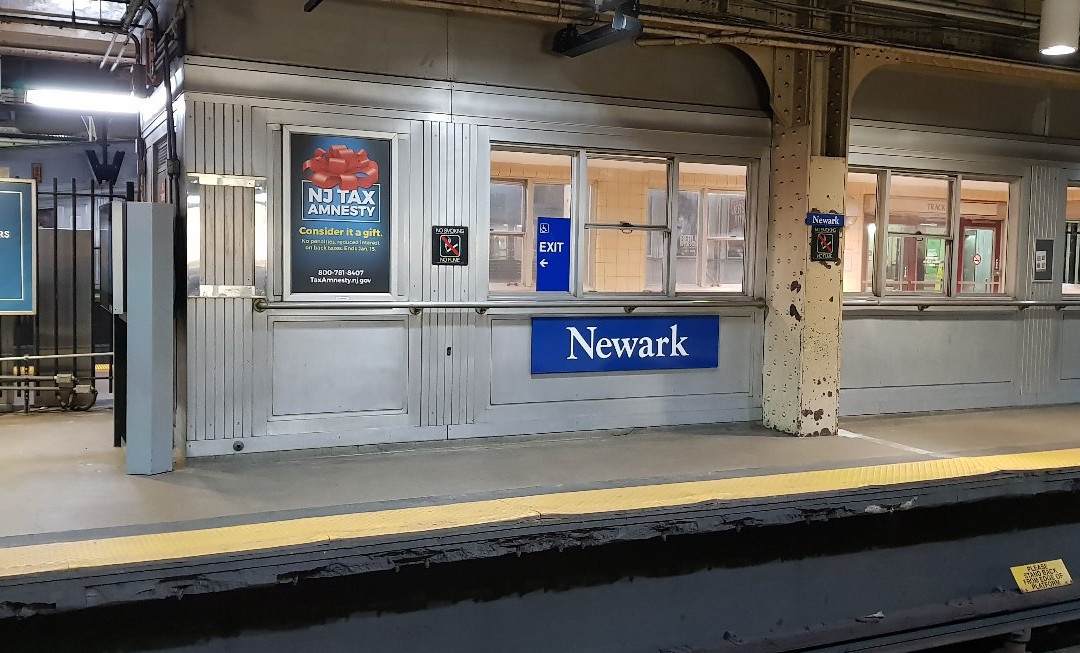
(802,324)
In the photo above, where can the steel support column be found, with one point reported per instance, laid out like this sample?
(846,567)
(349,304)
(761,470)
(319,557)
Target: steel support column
(804,298)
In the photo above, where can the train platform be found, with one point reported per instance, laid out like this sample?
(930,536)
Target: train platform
(78,532)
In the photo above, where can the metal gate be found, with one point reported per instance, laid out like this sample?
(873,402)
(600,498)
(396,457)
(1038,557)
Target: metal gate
(69,341)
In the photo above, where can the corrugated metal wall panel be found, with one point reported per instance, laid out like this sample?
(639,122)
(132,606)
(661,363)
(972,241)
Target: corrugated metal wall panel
(450,198)
(445,167)
(220,331)
(1040,330)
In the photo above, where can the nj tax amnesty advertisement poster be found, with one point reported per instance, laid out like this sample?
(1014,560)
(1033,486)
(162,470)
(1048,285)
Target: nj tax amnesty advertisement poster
(340,214)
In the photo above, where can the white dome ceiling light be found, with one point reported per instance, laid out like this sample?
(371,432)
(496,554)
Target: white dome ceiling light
(1059,29)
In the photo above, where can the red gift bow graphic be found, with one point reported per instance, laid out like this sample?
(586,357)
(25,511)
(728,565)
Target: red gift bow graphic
(339,168)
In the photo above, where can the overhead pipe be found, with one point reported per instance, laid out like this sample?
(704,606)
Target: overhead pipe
(51,53)
(170,29)
(133,9)
(42,138)
(131,16)
(103,27)
(513,13)
(788,36)
(735,39)
(172,168)
(112,42)
(960,10)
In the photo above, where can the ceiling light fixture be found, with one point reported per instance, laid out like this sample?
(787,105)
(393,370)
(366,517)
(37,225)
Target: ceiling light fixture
(1059,29)
(84,101)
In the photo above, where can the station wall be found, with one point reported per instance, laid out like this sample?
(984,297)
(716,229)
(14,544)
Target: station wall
(322,376)
(909,360)
(938,97)
(456,85)
(436,45)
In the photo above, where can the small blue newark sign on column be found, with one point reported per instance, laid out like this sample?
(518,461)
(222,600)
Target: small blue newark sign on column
(624,344)
(18,247)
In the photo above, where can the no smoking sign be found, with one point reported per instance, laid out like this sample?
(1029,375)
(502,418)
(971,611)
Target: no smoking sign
(825,244)
(449,245)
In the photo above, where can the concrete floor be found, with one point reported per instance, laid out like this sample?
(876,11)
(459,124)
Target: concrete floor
(61,479)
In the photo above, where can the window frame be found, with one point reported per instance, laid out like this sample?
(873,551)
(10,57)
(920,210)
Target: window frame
(1069,296)
(751,249)
(528,268)
(952,239)
(879,238)
(949,238)
(581,203)
(525,226)
(701,256)
(581,263)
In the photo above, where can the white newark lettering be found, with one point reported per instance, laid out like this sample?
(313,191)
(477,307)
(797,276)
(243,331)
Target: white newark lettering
(645,347)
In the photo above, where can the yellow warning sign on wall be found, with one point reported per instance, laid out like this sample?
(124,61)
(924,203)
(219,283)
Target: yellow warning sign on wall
(1041,576)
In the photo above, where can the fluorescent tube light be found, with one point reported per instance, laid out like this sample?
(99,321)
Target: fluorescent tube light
(1059,29)
(85,101)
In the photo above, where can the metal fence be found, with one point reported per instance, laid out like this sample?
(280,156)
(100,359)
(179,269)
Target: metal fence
(69,319)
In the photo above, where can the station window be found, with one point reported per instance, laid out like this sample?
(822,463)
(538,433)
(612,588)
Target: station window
(984,216)
(524,185)
(860,232)
(626,235)
(916,251)
(1072,243)
(935,243)
(710,228)
(633,240)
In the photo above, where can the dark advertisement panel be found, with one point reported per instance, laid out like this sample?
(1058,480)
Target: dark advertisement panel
(17,247)
(340,205)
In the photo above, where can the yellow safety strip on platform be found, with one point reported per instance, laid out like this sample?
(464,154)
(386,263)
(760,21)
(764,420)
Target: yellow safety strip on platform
(247,538)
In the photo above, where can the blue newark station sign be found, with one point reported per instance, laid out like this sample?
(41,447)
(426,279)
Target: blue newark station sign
(562,345)
(17,247)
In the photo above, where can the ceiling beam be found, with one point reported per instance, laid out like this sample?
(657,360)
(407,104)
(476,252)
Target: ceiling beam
(105,27)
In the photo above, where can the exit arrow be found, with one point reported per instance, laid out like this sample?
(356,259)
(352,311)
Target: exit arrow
(543,262)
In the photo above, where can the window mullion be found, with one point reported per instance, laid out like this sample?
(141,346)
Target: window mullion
(953,244)
(582,213)
(881,236)
(528,242)
(702,236)
(672,211)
